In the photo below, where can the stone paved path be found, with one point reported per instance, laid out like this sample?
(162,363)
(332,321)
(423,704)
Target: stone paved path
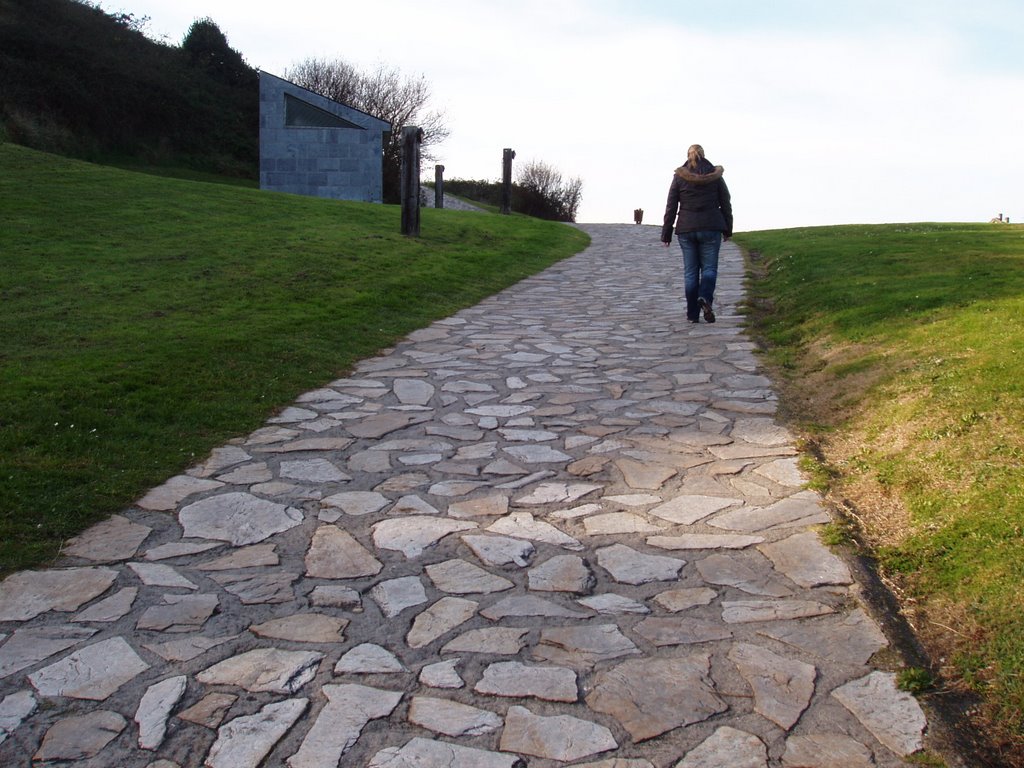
(560,527)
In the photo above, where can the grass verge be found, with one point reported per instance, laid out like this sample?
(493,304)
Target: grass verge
(146,320)
(901,349)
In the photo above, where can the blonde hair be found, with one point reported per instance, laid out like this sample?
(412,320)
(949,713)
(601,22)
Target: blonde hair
(694,155)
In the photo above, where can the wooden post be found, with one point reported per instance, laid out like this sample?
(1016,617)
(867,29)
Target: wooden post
(439,186)
(411,138)
(506,180)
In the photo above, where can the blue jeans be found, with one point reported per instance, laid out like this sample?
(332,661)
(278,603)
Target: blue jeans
(700,268)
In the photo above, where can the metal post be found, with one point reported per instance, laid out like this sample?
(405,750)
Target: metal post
(439,186)
(506,180)
(411,138)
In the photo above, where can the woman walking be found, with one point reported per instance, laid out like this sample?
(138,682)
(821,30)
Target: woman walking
(700,209)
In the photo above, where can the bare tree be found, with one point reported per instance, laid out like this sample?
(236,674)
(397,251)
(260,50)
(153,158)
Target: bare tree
(543,193)
(384,93)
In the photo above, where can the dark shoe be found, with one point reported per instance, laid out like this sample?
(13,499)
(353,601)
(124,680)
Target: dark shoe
(709,315)
(693,320)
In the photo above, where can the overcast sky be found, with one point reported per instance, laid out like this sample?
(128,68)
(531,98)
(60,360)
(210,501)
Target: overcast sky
(821,111)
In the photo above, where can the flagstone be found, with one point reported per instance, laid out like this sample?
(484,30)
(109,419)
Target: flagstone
(782,687)
(209,711)
(831,750)
(413,505)
(805,560)
(611,523)
(425,753)
(500,550)
(582,646)
(186,648)
(784,472)
(357,503)
(514,679)
(384,423)
(180,549)
(689,509)
(751,575)
(522,525)
(799,510)
(411,535)
(335,554)
(93,672)
(249,474)
(676,600)
(644,475)
(459,577)
(617,762)
(745,450)
(403,483)
(663,631)
(627,566)
(852,639)
(312,471)
(503,641)
(166,497)
(451,488)
(238,518)
(395,595)
(413,391)
(727,746)
(335,596)
(557,493)
(30,645)
(743,611)
(264,669)
(116,538)
(704,541)
(529,605)
(439,619)
(485,506)
(559,737)
(368,658)
(633,499)
(452,718)
(178,613)
(562,573)
(500,411)
(259,587)
(15,708)
(893,716)
(303,628)
(575,512)
(537,454)
(157,575)
(309,444)
(651,696)
(26,594)
(155,708)
(587,466)
(245,741)
(80,737)
(611,604)
(254,556)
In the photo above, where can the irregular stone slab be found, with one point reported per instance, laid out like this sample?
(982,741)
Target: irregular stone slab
(384,423)
(452,488)
(563,573)
(783,472)
(292,414)
(893,716)
(704,541)
(782,687)
(617,762)
(332,596)
(557,493)
(853,639)
(14,710)
(744,450)
(413,505)
(801,510)
(522,525)
(187,648)
(652,696)
(806,561)
(688,509)
(413,391)
(528,605)
(644,475)
(727,746)
(537,454)
(256,556)
(676,600)
(452,718)
(760,432)
(26,594)
(500,411)
(439,619)
(116,538)
(561,737)
(728,571)
(743,611)
(367,659)
(312,471)
(178,613)
(250,474)
(403,484)
(246,740)
(154,709)
(395,595)
(528,435)
(237,518)
(441,675)
(627,566)
(610,603)
(166,497)
(94,672)
(80,737)
(826,751)
(264,669)
(618,523)
(503,641)
(210,710)
(634,499)
(30,645)
(256,588)
(303,628)
(349,708)
(500,550)
(157,575)
(334,554)
(675,630)
(573,512)
(587,466)
(357,503)
(411,535)
(420,753)
(311,444)
(514,679)
(486,506)
(180,549)
(461,578)
(583,646)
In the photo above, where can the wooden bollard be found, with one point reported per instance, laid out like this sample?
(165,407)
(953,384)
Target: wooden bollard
(410,191)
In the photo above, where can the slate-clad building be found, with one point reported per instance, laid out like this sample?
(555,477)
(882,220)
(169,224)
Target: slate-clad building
(310,145)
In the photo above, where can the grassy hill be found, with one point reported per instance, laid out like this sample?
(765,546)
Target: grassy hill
(146,320)
(901,349)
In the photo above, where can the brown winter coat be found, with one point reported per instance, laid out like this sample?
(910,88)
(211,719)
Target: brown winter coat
(697,200)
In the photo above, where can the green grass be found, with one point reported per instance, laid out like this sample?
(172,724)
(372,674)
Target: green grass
(146,320)
(903,348)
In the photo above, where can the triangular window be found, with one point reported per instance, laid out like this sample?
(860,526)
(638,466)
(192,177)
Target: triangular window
(302,114)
